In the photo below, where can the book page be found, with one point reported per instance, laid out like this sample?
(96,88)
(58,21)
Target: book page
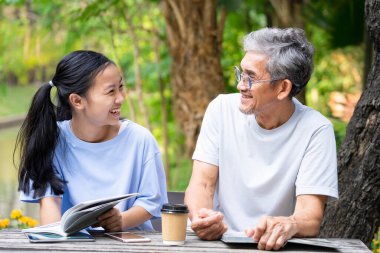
(86,217)
(85,213)
(54,228)
(80,216)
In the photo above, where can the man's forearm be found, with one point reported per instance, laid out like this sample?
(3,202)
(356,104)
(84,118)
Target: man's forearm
(197,197)
(200,192)
(308,215)
(306,225)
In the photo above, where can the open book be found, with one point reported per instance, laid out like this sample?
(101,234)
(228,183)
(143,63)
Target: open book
(80,216)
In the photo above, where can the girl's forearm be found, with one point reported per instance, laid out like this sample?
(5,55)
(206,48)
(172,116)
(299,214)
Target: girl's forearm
(134,217)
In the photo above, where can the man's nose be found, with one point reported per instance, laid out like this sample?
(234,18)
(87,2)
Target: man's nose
(241,85)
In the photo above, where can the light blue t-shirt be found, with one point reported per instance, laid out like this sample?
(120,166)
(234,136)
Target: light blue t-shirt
(130,162)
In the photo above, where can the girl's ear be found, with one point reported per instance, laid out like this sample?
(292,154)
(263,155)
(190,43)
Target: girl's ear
(76,101)
(284,89)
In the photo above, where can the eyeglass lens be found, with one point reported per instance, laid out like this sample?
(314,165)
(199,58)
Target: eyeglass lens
(239,76)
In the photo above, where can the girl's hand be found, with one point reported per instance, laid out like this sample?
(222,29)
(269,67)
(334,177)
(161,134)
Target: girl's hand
(111,220)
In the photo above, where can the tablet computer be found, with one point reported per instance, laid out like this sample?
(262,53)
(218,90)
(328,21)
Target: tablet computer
(237,238)
(317,242)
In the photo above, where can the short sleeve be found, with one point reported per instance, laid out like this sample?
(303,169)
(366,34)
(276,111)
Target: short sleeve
(29,197)
(48,193)
(207,148)
(318,170)
(152,186)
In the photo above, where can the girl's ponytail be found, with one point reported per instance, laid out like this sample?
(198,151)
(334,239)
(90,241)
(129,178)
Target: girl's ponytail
(36,140)
(38,135)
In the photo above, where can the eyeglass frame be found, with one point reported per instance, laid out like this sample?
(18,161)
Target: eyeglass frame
(239,77)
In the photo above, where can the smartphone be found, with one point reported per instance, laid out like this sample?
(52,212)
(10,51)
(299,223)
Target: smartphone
(127,237)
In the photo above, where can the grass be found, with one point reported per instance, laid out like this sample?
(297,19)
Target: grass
(15,100)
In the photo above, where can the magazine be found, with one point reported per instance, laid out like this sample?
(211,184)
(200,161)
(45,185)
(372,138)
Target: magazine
(80,216)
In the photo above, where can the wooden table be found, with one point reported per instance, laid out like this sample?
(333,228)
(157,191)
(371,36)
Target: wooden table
(14,240)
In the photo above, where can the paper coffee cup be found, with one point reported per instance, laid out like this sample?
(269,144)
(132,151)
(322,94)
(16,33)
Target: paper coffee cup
(174,221)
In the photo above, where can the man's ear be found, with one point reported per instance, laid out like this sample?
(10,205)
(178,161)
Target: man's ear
(284,89)
(76,101)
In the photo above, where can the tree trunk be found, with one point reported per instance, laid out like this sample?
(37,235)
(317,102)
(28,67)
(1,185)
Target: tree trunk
(357,213)
(131,30)
(368,57)
(194,39)
(164,107)
(288,13)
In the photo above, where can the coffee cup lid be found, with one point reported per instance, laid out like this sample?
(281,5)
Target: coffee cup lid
(174,208)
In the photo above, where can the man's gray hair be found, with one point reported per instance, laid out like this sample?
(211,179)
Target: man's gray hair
(290,54)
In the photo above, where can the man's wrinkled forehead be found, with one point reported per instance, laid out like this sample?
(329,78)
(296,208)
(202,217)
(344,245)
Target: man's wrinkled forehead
(253,59)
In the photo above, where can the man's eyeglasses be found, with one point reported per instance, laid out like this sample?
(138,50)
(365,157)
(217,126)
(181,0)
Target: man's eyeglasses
(240,76)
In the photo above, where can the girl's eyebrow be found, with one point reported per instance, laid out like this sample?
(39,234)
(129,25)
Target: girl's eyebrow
(113,85)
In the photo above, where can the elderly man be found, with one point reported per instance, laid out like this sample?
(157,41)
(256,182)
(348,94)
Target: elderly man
(264,163)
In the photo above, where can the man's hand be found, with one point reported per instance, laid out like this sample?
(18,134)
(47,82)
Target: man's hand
(209,225)
(111,220)
(273,232)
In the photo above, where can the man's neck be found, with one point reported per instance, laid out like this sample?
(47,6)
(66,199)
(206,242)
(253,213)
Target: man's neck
(277,116)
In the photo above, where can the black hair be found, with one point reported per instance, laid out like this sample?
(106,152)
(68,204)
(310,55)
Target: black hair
(39,132)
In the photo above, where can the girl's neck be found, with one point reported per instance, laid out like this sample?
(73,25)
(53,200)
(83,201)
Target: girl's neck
(93,133)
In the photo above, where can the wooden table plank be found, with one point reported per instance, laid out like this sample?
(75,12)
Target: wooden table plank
(13,240)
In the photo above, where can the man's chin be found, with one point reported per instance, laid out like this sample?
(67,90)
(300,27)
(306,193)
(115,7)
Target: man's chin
(246,110)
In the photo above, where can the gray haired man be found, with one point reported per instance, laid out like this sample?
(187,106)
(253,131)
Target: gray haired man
(264,163)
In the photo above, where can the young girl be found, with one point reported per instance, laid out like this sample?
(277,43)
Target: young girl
(81,150)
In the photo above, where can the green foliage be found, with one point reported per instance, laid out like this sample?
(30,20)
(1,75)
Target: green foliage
(181,175)
(15,100)
(337,70)
(375,244)
(342,19)
(36,34)
(243,18)
(339,131)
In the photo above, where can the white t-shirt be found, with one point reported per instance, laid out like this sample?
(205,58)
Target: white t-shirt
(262,171)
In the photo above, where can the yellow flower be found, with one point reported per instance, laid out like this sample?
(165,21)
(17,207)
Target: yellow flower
(16,213)
(32,223)
(4,223)
(23,219)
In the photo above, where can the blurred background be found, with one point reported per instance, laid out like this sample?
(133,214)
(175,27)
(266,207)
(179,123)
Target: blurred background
(176,56)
